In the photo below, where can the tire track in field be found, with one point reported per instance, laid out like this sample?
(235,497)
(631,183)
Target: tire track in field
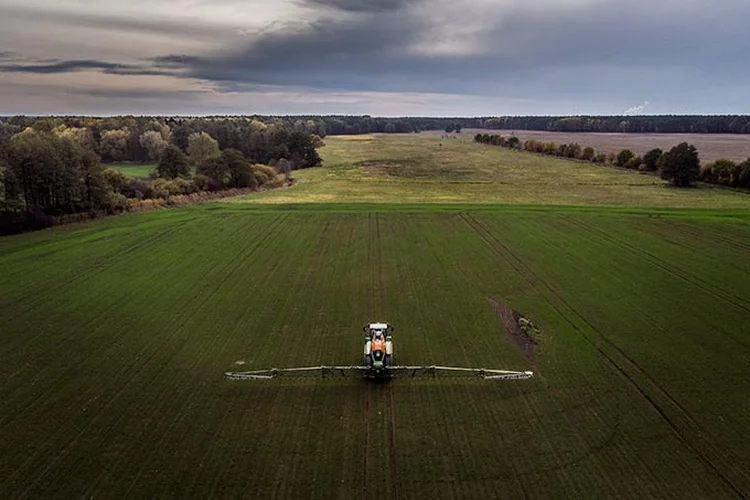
(391,412)
(154,351)
(735,300)
(102,264)
(367,441)
(562,305)
(632,361)
(75,362)
(719,234)
(373,311)
(378,309)
(714,233)
(275,223)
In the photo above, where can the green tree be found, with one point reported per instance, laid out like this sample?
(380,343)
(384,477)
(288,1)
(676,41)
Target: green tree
(56,174)
(216,169)
(681,165)
(588,154)
(240,171)
(173,163)
(623,157)
(651,160)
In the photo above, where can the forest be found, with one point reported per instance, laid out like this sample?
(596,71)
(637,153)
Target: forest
(53,167)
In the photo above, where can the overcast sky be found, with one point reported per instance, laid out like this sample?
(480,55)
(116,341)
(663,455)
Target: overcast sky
(378,57)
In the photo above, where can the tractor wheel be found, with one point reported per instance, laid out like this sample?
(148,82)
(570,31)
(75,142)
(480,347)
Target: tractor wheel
(368,360)
(388,360)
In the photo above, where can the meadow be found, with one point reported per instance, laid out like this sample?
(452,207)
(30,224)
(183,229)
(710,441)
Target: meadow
(133,169)
(423,168)
(116,335)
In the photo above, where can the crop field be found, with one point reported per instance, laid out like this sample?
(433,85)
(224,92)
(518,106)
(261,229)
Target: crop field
(419,168)
(710,147)
(116,335)
(133,170)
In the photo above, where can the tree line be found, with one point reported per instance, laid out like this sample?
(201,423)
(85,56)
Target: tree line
(680,165)
(143,139)
(236,132)
(672,124)
(53,166)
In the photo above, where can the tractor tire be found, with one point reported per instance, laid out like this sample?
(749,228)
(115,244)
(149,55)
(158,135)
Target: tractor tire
(388,360)
(368,360)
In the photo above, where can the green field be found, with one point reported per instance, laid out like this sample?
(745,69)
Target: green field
(421,168)
(116,335)
(133,170)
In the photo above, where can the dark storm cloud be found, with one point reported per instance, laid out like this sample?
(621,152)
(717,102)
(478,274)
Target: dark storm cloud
(175,61)
(74,66)
(137,94)
(360,5)
(561,48)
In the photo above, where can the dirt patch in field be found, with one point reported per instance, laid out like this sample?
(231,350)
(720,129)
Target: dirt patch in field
(710,146)
(513,321)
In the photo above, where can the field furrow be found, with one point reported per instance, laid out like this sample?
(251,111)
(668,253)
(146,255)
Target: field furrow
(116,336)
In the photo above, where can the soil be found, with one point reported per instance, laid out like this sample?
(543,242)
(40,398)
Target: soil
(510,318)
(710,146)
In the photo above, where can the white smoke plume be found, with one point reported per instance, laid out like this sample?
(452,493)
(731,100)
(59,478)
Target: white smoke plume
(636,110)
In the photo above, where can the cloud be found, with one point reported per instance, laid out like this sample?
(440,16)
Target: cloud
(139,94)
(360,5)
(148,24)
(57,67)
(439,46)
(578,56)
(636,110)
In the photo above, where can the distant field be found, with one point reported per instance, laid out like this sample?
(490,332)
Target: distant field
(416,168)
(116,335)
(137,170)
(710,146)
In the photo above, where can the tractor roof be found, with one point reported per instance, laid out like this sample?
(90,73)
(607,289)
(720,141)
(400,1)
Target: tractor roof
(378,326)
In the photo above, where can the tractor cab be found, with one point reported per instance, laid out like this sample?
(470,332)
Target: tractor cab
(378,346)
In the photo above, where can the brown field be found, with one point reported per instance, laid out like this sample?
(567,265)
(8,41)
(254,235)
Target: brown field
(710,146)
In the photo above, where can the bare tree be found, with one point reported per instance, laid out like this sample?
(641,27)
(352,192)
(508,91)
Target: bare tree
(201,147)
(113,144)
(153,142)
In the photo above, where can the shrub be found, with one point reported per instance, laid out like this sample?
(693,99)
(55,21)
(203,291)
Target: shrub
(651,160)
(745,174)
(206,183)
(115,179)
(634,163)
(624,157)
(264,174)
